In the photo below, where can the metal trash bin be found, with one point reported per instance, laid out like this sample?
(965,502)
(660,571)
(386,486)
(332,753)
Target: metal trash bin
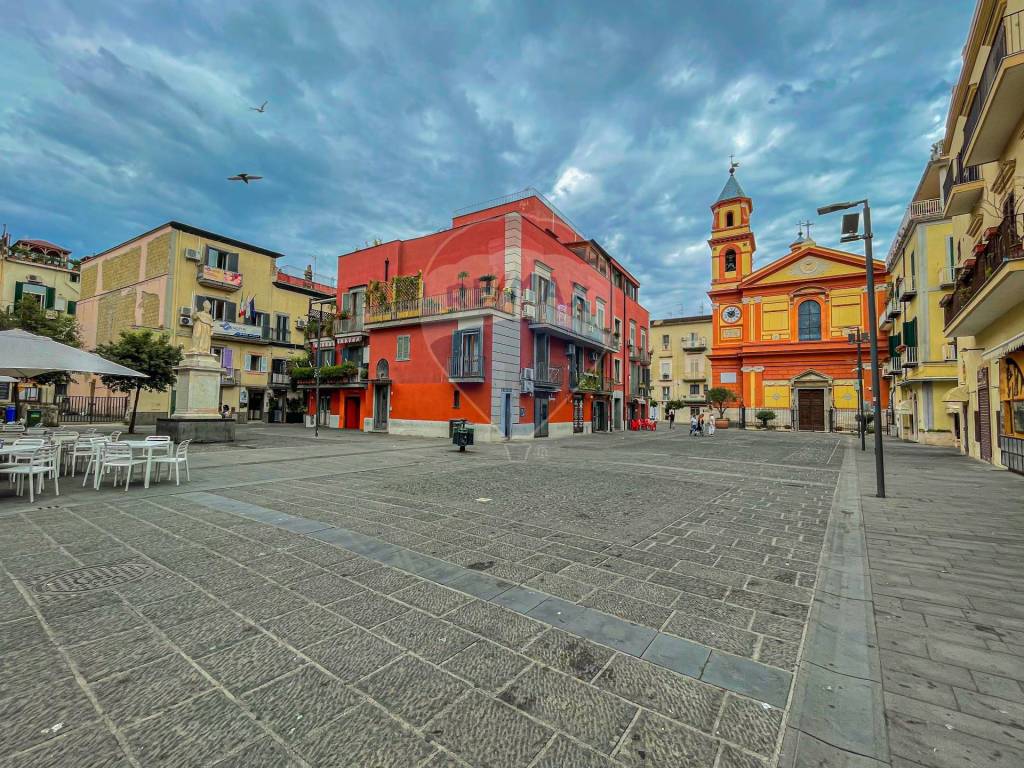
(33,417)
(454,424)
(10,414)
(462,436)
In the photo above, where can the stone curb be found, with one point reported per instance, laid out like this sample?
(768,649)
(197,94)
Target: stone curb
(837,714)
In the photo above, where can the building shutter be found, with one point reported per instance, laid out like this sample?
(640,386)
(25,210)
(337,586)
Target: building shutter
(894,341)
(456,347)
(230,311)
(18,290)
(232,262)
(910,333)
(72,307)
(227,358)
(51,297)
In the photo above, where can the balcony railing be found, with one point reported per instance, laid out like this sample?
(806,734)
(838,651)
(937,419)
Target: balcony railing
(908,288)
(1009,40)
(639,355)
(281,335)
(919,209)
(694,374)
(894,306)
(280,379)
(581,327)
(304,279)
(466,367)
(958,173)
(588,381)
(213,277)
(547,376)
(457,300)
(232,377)
(909,355)
(894,366)
(947,276)
(1002,247)
(45,259)
(343,326)
(694,343)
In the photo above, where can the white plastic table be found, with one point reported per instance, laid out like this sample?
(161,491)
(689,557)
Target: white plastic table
(147,447)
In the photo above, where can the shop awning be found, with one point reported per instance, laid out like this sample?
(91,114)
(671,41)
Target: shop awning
(957,395)
(1001,350)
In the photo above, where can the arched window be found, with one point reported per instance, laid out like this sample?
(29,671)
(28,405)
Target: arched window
(382,369)
(729,219)
(730,260)
(809,316)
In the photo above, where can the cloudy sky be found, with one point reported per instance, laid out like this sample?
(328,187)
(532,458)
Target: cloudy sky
(385,117)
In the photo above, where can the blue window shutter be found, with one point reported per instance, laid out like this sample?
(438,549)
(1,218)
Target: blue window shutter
(19,288)
(72,307)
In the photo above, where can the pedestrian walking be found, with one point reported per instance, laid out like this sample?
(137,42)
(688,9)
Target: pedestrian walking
(671,417)
(700,425)
(693,424)
(710,425)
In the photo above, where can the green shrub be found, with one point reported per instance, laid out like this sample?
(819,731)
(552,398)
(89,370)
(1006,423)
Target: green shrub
(764,417)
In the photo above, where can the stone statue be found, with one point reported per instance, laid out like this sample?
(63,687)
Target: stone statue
(202,329)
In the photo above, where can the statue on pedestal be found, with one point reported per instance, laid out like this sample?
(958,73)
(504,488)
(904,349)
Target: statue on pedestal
(202,329)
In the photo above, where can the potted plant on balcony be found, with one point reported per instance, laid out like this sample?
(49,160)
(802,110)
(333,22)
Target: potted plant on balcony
(487,295)
(720,397)
(462,288)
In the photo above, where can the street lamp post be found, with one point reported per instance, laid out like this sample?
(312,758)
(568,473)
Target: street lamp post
(313,324)
(857,337)
(850,229)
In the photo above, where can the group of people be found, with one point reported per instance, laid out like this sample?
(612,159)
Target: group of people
(699,424)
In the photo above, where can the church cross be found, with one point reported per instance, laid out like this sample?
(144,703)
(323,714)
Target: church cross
(807,228)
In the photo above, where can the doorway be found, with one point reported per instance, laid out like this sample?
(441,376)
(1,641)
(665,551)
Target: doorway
(381,396)
(256,404)
(351,413)
(577,414)
(811,410)
(540,416)
(506,415)
(323,412)
(599,417)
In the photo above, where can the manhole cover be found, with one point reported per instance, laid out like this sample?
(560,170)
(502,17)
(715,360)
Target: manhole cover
(93,577)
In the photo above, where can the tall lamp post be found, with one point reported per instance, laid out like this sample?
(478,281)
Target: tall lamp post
(314,322)
(857,337)
(851,233)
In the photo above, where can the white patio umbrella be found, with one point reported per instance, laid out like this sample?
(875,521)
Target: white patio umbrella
(24,355)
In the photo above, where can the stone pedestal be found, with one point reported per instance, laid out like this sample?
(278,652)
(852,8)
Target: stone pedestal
(197,392)
(196,414)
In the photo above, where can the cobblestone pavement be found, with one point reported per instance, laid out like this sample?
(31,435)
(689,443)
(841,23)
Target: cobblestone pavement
(946,552)
(610,600)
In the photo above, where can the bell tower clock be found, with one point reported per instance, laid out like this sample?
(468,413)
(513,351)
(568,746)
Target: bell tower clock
(732,242)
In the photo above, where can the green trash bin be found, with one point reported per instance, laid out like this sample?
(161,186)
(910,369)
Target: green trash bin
(462,436)
(33,417)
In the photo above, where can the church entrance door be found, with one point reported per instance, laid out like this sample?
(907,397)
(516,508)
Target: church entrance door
(811,410)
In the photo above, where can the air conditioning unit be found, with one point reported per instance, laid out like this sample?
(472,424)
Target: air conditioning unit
(185,311)
(300,323)
(527,374)
(185,320)
(528,297)
(33,279)
(192,254)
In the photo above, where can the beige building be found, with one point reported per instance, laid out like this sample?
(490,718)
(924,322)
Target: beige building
(922,360)
(37,270)
(157,278)
(680,369)
(983,194)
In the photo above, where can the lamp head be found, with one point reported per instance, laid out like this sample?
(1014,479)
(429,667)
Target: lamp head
(835,207)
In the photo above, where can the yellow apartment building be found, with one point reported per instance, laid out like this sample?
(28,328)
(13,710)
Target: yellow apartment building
(983,194)
(41,271)
(156,279)
(681,369)
(922,361)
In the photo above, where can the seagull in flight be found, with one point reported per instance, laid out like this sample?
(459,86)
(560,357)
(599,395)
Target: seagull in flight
(246,177)
(261,108)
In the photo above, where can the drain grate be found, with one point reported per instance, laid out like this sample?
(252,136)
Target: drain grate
(93,577)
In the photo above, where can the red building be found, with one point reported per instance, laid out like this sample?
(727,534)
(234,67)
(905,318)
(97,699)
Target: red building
(510,319)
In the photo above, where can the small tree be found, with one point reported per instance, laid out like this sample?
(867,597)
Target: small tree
(145,352)
(720,397)
(764,416)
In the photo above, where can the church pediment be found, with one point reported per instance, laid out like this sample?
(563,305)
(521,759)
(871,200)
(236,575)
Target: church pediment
(808,264)
(811,376)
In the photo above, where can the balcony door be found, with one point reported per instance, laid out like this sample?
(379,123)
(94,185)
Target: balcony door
(540,415)
(541,356)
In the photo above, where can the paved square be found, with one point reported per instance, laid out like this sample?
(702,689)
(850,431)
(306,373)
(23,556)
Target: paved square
(361,600)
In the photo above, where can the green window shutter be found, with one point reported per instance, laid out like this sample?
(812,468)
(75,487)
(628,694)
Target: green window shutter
(51,298)
(18,290)
(72,307)
(910,332)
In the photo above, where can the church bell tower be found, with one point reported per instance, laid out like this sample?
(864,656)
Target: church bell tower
(732,242)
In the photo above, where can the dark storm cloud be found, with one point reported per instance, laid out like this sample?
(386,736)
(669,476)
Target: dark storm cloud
(383,118)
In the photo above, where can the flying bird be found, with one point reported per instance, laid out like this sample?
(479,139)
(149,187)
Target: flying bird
(246,177)
(261,108)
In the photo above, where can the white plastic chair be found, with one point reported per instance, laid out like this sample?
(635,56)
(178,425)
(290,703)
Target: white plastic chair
(41,463)
(180,457)
(92,451)
(36,431)
(84,448)
(163,439)
(116,456)
(64,439)
(14,427)
(114,436)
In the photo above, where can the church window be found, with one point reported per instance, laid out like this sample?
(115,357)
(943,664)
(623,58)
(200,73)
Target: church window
(730,261)
(809,315)
(729,219)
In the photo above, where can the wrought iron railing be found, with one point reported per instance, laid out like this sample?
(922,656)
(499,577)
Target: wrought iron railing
(466,367)
(695,342)
(456,300)
(587,381)
(585,326)
(909,355)
(919,209)
(894,365)
(958,173)
(1008,41)
(1003,246)
(547,375)
(351,324)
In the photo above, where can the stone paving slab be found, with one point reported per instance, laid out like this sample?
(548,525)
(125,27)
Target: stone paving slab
(385,616)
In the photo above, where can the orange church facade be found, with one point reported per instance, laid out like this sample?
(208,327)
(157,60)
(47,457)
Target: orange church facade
(780,332)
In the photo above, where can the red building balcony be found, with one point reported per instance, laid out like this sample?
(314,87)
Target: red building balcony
(439,307)
(583,329)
